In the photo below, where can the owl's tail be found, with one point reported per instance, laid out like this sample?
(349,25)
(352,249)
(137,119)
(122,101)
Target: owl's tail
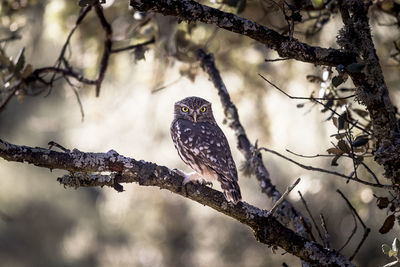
(231,190)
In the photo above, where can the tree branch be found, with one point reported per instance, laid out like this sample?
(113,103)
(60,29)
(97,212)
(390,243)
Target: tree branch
(92,167)
(286,47)
(107,46)
(371,88)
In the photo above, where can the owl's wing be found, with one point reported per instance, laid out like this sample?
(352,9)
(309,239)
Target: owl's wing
(214,151)
(215,154)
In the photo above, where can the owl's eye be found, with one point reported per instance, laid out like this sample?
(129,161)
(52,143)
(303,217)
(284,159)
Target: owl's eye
(203,109)
(184,109)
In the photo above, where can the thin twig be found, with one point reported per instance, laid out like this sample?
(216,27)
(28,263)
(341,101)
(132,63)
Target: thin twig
(311,168)
(74,89)
(166,85)
(107,46)
(316,99)
(212,36)
(334,155)
(352,232)
(365,235)
(350,141)
(61,58)
(65,72)
(52,143)
(309,214)
(130,47)
(352,208)
(326,233)
(276,59)
(287,191)
(304,97)
(366,229)
(308,229)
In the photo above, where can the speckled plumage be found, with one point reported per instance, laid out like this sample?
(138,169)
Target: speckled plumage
(202,145)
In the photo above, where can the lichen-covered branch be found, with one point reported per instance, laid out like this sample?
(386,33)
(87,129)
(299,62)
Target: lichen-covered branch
(372,91)
(88,169)
(287,47)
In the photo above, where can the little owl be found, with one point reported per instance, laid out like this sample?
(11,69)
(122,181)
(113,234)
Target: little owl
(202,145)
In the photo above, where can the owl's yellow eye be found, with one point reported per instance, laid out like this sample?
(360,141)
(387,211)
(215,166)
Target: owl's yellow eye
(203,109)
(184,109)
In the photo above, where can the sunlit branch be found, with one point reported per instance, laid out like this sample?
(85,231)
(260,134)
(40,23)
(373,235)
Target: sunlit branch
(191,11)
(87,170)
(326,233)
(284,195)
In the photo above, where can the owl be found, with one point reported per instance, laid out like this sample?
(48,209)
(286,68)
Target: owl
(202,145)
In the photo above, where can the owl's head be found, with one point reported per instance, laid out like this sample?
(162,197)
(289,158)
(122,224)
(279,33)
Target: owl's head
(194,109)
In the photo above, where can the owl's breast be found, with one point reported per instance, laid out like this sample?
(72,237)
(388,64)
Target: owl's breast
(192,141)
(191,134)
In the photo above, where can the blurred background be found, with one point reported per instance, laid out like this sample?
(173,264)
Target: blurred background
(44,224)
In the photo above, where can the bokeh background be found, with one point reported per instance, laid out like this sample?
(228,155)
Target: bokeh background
(44,224)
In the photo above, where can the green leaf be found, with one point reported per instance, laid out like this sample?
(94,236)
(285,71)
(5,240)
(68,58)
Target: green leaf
(396,244)
(385,249)
(388,224)
(393,263)
(355,67)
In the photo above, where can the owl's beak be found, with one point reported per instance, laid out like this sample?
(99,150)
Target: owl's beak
(195,116)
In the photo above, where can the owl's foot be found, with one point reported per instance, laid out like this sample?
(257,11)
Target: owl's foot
(192,177)
(183,174)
